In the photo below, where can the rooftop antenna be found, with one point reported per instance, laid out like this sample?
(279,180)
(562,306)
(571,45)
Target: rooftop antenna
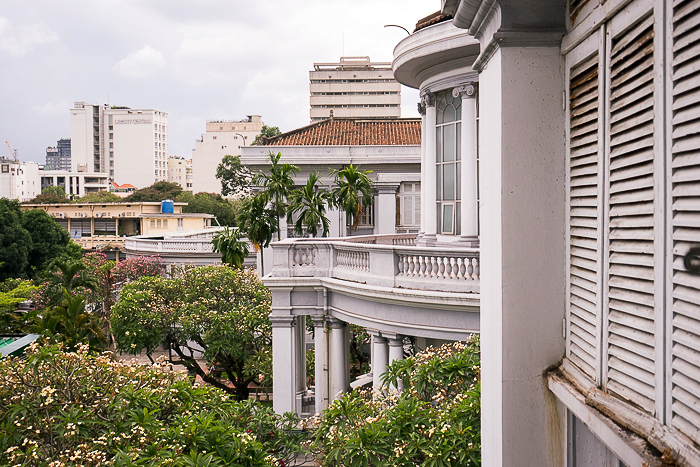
(397,26)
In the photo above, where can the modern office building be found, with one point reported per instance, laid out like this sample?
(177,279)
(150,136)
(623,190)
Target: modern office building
(19,180)
(223,137)
(128,145)
(354,87)
(58,157)
(75,184)
(180,172)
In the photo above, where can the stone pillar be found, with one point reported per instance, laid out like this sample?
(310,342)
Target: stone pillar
(385,212)
(429,180)
(421,111)
(320,363)
(339,364)
(469,208)
(396,353)
(380,352)
(284,363)
(300,388)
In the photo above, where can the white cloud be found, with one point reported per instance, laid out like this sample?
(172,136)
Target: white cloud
(142,63)
(17,40)
(50,108)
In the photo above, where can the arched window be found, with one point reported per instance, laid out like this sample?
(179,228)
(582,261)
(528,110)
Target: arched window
(448,155)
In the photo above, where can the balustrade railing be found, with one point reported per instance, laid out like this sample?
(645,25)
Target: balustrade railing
(194,245)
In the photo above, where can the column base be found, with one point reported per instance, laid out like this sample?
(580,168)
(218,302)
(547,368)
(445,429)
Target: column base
(468,241)
(427,240)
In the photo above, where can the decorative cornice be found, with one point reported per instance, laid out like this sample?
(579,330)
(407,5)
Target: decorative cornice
(467,91)
(427,98)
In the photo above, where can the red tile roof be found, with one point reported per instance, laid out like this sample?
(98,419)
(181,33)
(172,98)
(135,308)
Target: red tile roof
(351,132)
(429,20)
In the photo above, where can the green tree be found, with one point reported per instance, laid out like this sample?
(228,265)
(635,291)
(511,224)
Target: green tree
(352,192)
(258,223)
(309,204)
(235,178)
(99,197)
(15,241)
(210,203)
(233,250)
(156,192)
(276,184)
(13,292)
(222,310)
(50,195)
(266,132)
(71,276)
(49,241)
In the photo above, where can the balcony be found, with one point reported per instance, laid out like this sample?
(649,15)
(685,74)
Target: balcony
(168,245)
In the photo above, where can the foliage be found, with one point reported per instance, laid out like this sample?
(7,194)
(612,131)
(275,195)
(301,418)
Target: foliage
(49,241)
(99,197)
(266,132)
(210,203)
(159,191)
(276,184)
(434,422)
(15,241)
(71,276)
(352,192)
(235,178)
(258,223)
(222,310)
(50,195)
(309,204)
(76,409)
(233,250)
(13,292)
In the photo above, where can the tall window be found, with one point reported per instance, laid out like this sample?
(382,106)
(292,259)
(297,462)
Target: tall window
(448,129)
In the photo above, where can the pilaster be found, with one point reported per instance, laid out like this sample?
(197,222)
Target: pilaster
(469,207)
(428,176)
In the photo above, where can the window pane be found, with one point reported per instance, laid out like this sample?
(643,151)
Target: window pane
(447,211)
(458,138)
(448,180)
(449,114)
(458,106)
(458,190)
(449,143)
(439,182)
(439,212)
(458,219)
(438,140)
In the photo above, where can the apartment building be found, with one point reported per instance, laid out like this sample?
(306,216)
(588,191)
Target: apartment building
(222,137)
(180,172)
(58,157)
(128,145)
(354,87)
(19,180)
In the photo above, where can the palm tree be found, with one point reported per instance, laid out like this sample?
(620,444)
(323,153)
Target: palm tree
(277,184)
(259,224)
(228,243)
(352,192)
(310,203)
(70,276)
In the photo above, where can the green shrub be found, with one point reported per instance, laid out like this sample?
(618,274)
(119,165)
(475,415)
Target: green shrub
(434,422)
(70,409)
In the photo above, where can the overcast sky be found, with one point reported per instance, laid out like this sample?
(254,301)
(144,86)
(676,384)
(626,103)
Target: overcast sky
(197,60)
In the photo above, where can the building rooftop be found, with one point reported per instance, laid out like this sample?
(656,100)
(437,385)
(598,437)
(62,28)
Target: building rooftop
(351,132)
(429,20)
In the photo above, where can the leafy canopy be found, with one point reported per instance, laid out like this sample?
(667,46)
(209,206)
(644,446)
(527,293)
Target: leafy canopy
(235,178)
(224,210)
(159,191)
(308,204)
(352,192)
(233,250)
(277,183)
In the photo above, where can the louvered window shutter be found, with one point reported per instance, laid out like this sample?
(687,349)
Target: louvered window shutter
(685,198)
(584,182)
(631,327)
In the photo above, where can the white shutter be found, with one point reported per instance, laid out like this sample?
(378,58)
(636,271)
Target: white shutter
(685,195)
(631,336)
(584,232)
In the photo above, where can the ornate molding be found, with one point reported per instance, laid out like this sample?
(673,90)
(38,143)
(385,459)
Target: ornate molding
(427,98)
(467,91)
(421,108)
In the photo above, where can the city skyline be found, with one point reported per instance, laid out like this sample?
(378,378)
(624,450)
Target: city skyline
(182,58)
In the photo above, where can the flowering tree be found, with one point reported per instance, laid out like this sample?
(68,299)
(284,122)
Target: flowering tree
(77,409)
(434,422)
(218,311)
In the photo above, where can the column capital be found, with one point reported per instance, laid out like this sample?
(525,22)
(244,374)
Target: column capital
(421,109)
(335,323)
(318,320)
(466,91)
(282,321)
(427,98)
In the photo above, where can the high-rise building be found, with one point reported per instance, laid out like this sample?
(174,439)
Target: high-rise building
(58,157)
(354,87)
(223,137)
(129,145)
(180,172)
(18,179)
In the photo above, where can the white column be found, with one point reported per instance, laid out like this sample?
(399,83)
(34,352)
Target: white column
(338,359)
(380,351)
(301,361)
(469,208)
(320,363)
(428,183)
(421,110)
(385,213)
(284,362)
(396,353)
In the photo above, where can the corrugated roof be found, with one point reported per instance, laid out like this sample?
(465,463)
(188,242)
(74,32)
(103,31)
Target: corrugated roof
(351,132)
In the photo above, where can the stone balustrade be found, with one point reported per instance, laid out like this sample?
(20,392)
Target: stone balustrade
(380,260)
(186,245)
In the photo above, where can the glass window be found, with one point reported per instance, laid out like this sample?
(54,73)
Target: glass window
(448,156)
